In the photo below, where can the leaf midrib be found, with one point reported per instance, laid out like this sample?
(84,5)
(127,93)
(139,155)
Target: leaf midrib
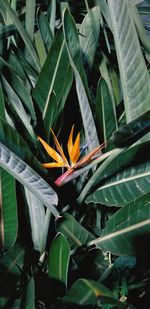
(125,180)
(53,80)
(120,232)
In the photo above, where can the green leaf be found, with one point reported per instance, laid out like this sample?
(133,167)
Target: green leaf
(141,30)
(30,17)
(134,74)
(28,298)
(105,111)
(74,232)
(39,221)
(16,66)
(134,2)
(89,34)
(105,11)
(6,6)
(127,230)
(11,265)
(45,31)
(129,183)
(97,178)
(86,292)
(107,73)
(73,48)
(52,15)
(2,103)
(52,77)
(131,132)
(40,47)
(6,31)
(16,106)
(58,260)
(8,210)
(18,86)
(12,140)
(67,86)
(51,114)
(29,178)
(30,73)
(118,161)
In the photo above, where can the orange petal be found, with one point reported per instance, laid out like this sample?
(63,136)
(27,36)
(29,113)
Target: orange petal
(52,165)
(73,149)
(70,141)
(59,148)
(75,153)
(51,152)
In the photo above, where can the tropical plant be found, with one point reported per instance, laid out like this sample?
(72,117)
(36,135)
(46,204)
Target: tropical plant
(74,154)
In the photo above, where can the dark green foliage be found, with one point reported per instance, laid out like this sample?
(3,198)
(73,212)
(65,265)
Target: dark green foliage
(86,242)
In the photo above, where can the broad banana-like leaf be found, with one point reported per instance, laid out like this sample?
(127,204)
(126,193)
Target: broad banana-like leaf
(134,2)
(52,15)
(29,71)
(144,38)
(45,31)
(89,34)
(128,229)
(131,132)
(74,53)
(58,260)
(8,202)
(2,103)
(40,47)
(8,210)
(74,232)
(6,31)
(93,290)
(17,85)
(29,178)
(96,176)
(133,71)
(105,11)
(127,185)
(121,163)
(28,297)
(10,138)
(39,221)
(108,73)
(106,117)
(52,79)
(30,17)
(4,5)
(17,106)
(11,265)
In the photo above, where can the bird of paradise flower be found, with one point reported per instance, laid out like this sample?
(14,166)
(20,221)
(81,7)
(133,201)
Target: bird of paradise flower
(73,152)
